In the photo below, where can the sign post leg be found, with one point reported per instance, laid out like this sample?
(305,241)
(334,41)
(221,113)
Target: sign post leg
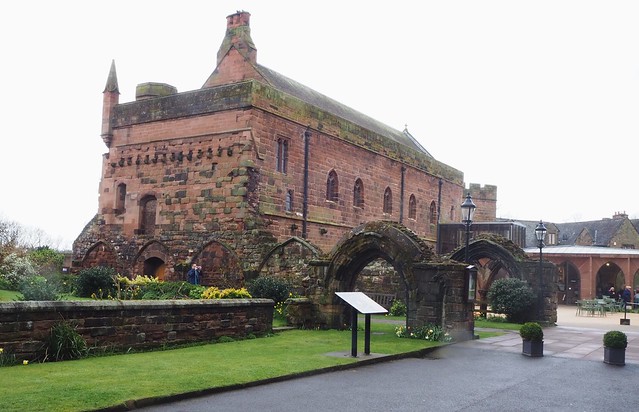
(354,332)
(367,334)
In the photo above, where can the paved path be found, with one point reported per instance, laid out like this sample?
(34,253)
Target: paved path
(575,336)
(481,375)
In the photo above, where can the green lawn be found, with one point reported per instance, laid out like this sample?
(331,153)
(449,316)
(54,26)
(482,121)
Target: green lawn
(480,323)
(9,295)
(111,380)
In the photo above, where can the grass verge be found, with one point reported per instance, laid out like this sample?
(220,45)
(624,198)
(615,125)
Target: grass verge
(482,323)
(101,382)
(9,295)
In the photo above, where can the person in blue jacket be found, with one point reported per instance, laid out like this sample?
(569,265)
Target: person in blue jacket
(193,275)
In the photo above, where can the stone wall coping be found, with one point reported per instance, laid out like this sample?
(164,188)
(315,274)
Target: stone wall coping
(63,306)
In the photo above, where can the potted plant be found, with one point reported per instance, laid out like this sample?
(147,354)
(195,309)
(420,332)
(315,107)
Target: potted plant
(532,336)
(615,343)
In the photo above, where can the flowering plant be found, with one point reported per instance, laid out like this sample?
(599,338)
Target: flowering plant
(428,332)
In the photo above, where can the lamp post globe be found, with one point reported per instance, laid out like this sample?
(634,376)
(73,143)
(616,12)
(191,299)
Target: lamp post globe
(540,234)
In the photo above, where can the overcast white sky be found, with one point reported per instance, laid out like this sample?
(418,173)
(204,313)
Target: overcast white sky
(540,98)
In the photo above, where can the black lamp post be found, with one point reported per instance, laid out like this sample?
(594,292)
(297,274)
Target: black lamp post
(540,234)
(468,211)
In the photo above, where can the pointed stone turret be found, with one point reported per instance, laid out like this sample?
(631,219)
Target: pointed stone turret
(111,97)
(237,56)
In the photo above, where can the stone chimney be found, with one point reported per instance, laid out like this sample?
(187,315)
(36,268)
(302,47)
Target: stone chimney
(620,215)
(238,36)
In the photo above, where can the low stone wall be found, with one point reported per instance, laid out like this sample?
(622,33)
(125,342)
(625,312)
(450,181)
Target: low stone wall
(120,325)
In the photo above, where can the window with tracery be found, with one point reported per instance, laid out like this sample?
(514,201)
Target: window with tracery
(289,201)
(358,194)
(281,155)
(432,213)
(332,187)
(412,207)
(120,196)
(388,201)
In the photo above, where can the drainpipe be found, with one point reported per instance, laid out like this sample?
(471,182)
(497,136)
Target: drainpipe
(307,138)
(401,197)
(439,213)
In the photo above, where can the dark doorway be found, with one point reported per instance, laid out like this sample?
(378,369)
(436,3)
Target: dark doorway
(154,267)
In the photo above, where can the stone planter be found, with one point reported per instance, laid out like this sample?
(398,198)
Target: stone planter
(534,349)
(615,356)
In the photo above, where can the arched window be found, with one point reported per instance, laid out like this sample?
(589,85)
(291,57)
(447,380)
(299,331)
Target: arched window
(452,213)
(358,194)
(281,155)
(412,207)
(332,187)
(148,204)
(432,213)
(120,196)
(289,201)
(388,201)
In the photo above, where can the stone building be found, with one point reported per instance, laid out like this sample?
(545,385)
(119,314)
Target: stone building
(253,173)
(591,256)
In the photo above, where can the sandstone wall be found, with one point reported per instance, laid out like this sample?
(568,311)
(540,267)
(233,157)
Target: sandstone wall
(120,325)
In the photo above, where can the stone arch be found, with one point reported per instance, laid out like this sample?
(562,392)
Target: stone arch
(496,257)
(504,253)
(221,267)
(152,260)
(569,283)
(289,260)
(100,254)
(147,214)
(609,274)
(390,241)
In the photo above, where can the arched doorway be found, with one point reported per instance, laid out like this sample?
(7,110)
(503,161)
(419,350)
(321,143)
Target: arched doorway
(374,241)
(289,261)
(494,260)
(569,284)
(609,274)
(154,267)
(152,261)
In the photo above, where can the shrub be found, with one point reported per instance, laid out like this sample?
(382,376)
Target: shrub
(168,290)
(38,288)
(225,339)
(513,298)
(230,293)
(129,289)
(615,339)
(67,283)
(64,343)
(98,281)
(14,270)
(46,260)
(270,288)
(531,331)
(398,308)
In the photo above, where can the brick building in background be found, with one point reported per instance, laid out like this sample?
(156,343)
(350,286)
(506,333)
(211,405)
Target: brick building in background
(253,173)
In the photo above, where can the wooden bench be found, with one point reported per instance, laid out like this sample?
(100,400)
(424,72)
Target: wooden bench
(383,299)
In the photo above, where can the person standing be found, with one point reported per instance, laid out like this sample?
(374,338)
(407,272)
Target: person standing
(626,295)
(193,275)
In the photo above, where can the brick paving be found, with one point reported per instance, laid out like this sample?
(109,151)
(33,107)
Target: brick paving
(574,337)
